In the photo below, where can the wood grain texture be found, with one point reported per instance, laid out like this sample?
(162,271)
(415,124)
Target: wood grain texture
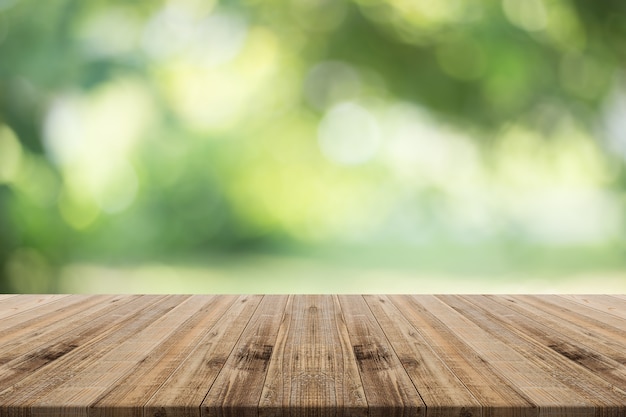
(312,355)
(388,388)
(15,305)
(188,385)
(158,370)
(314,371)
(476,378)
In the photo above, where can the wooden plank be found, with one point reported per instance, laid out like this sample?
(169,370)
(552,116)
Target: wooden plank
(78,393)
(547,392)
(41,348)
(76,350)
(595,324)
(608,325)
(313,355)
(569,331)
(584,352)
(130,393)
(313,371)
(443,393)
(24,328)
(185,389)
(388,388)
(554,376)
(19,357)
(13,305)
(237,389)
(602,303)
(453,371)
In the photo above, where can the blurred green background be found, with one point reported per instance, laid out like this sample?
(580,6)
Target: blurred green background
(312,146)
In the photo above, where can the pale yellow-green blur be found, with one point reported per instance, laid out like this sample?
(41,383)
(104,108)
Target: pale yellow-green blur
(312,146)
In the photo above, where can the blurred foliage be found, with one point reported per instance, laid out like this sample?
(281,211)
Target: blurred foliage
(150,130)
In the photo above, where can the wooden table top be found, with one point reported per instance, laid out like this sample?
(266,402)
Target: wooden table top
(312,355)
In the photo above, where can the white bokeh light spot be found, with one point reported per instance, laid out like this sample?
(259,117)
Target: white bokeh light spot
(349,134)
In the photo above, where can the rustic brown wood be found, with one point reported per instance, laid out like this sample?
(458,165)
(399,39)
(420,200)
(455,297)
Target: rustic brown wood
(545,371)
(15,305)
(188,385)
(600,302)
(312,355)
(237,390)
(158,370)
(476,378)
(313,371)
(388,388)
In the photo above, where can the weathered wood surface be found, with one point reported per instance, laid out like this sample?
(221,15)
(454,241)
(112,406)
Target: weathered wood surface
(312,355)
